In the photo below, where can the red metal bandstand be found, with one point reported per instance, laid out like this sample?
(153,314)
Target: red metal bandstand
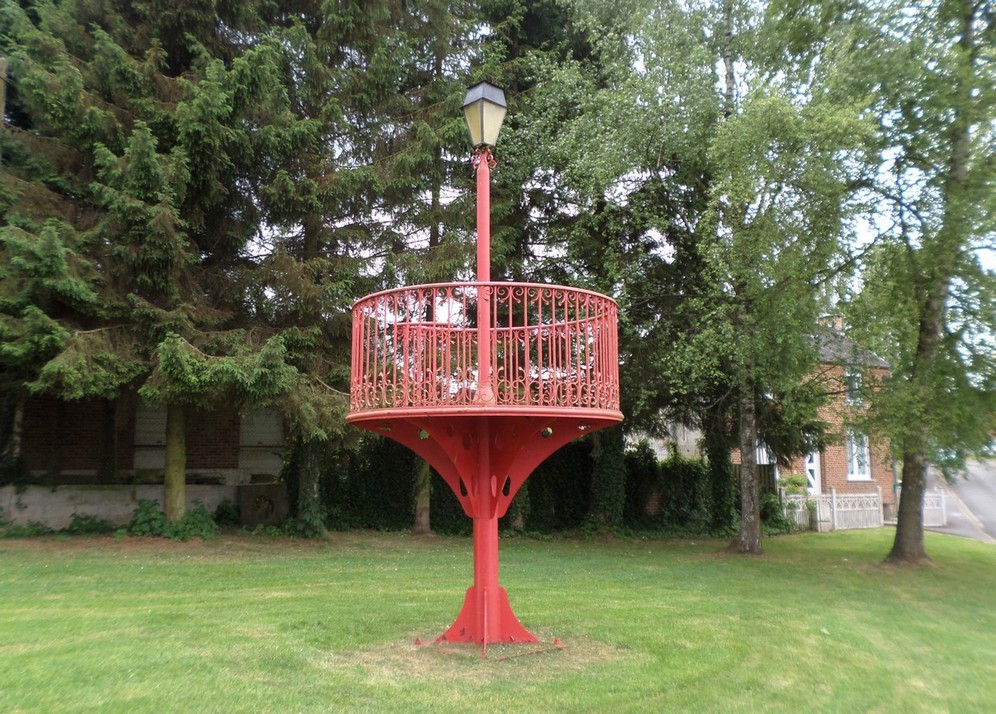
(484,380)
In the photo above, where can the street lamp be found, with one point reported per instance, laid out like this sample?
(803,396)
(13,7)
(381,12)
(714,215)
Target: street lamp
(484,109)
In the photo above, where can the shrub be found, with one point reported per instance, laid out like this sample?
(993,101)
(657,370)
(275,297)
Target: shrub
(267,531)
(643,482)
(147,520)
(196,523)
(608,481)
(34,528)
(793,483)
(773,516)
(685,490)
(227,513)
(86,524)
(560,489)
(9,529)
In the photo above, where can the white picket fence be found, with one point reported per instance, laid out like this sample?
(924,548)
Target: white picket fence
(841,511)
(835,511)
(935,508)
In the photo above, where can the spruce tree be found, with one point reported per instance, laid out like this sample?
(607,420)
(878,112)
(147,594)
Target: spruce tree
(136,135)
(355,202)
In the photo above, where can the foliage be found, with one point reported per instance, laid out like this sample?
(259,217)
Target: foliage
(671,496)
(33,529)
(685,494)
(722,504)
(793,483)
(643,479)
(147,520)
(560,489)
(448,517)
(192,200)
(608,480)
(227,513)
(264,531)
(369,487)
(711,207)
(196,523)
(9,529)
(80,524)
(773,517)
(248,375)
(86,524)
(373,487)
(926,302)
(129,197)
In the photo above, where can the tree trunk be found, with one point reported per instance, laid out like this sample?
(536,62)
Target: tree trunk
(748,540)
(12,449)
(423,497)
(726,54)
(174,475)
(908,544)
(107,448)
(310,514)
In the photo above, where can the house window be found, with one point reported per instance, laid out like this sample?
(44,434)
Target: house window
(852,387)
(858,461)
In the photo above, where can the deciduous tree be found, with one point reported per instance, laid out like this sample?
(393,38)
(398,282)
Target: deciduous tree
(926,302)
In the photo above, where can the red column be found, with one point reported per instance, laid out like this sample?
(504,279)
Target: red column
(486,542)
(485,390)
(483,160)
(486,616)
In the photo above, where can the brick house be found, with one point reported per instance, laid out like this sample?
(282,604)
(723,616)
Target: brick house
(100,457)
(99,441)
(852,463)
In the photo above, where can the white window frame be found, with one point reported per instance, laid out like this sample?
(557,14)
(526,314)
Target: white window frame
(853,383)
(858,456)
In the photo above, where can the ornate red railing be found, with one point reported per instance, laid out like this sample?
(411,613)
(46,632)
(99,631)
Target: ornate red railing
(551,346)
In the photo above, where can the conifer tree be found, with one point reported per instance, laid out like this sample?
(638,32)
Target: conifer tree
(134,139)
(426,157)
(354,203)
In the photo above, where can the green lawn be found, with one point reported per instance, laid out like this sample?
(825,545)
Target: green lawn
(250,624)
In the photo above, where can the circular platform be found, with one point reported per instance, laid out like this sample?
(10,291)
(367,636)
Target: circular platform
(546,349)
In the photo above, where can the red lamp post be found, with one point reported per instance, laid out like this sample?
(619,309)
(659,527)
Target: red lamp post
(484,110)
(486,611)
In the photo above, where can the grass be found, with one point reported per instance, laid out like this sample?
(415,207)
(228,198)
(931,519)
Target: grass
(259,625)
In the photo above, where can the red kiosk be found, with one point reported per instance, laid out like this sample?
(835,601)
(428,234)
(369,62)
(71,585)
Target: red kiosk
(484,380)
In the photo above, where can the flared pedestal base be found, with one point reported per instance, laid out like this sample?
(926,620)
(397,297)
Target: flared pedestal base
(485,620)
(485,455)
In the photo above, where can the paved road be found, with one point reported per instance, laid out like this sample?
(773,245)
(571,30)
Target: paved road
(971,503)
